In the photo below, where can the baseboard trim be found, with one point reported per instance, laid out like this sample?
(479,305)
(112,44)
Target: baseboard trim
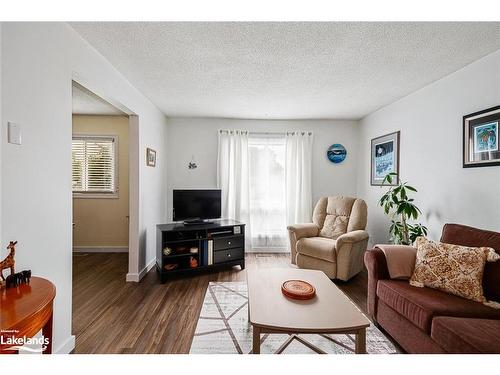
(100,249)
(146,269)
(67,346)
(260,250)
(132,278)
(136,277)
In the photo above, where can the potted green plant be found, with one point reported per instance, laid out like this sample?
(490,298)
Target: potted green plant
(401,209)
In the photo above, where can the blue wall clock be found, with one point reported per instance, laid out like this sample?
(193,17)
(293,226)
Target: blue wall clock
(336,153)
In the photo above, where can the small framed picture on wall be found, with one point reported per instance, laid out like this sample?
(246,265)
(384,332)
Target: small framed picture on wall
(150,157)
(481,138)
(384,158)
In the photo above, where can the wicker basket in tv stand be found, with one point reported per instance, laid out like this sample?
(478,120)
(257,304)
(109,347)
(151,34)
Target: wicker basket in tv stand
(224,239)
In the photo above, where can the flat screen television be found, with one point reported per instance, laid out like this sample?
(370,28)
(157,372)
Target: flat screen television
(193,206)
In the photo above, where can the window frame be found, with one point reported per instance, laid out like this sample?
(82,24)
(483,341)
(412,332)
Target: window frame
(98,194)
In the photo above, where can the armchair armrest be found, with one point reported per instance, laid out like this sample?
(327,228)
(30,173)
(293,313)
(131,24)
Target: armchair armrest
(303,230)
(298,231)
(351,237)
(376,266)
(349,248)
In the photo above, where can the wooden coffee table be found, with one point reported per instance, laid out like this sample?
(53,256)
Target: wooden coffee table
(330,311)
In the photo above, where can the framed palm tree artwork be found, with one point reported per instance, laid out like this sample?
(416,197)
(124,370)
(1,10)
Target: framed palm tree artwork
(481,141)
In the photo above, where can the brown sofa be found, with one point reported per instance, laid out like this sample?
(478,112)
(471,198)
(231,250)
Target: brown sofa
(424,320)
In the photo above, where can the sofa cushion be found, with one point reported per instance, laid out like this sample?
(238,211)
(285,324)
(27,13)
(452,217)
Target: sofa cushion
(411,338)
(459,335)
(420,305)
(451,268)
(317,247)
(468,236)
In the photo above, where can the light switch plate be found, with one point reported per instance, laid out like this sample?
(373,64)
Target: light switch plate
(14,133)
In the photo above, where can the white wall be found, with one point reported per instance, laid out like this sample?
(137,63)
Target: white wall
(430,121)
(198,137)
(39,61)
(2,134)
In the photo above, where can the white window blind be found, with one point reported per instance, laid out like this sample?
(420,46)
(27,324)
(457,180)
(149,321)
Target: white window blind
(94,164)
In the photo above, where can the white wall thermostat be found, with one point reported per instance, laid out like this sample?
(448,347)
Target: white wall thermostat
(14,133)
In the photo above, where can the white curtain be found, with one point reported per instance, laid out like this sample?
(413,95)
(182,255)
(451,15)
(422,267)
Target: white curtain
(267,192)
(233,175)
(298,177)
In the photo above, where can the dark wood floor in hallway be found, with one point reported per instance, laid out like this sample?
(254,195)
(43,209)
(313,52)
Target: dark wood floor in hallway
(112,316)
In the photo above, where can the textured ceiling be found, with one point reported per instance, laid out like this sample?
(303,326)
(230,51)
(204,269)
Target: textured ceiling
(87,103)
(276,70)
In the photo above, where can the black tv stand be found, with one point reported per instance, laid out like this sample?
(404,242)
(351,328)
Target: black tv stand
(183,249)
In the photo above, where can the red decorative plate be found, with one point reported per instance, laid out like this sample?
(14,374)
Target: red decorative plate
(298,289)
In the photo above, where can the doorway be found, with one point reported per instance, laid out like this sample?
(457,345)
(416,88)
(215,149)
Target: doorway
(104,165)
(100,175)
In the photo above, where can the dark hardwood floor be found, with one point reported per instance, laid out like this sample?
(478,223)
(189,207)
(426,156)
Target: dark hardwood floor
(112,316)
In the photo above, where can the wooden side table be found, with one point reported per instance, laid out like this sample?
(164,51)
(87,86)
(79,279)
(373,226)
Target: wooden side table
(26,310)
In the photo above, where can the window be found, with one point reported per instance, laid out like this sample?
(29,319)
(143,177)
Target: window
(267,192)
(94,166)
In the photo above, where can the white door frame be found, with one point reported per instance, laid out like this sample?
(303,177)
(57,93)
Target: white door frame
(134,166)
(134,162)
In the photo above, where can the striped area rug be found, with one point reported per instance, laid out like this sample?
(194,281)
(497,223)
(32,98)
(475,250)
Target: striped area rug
(223,328)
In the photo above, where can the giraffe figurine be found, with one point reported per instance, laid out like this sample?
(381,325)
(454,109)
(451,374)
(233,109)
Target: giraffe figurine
(9,261)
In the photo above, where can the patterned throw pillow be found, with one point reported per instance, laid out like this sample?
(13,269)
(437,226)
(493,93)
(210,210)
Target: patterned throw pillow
(451,268)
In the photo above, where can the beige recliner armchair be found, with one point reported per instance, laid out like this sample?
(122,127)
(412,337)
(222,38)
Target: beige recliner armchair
(336,240)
